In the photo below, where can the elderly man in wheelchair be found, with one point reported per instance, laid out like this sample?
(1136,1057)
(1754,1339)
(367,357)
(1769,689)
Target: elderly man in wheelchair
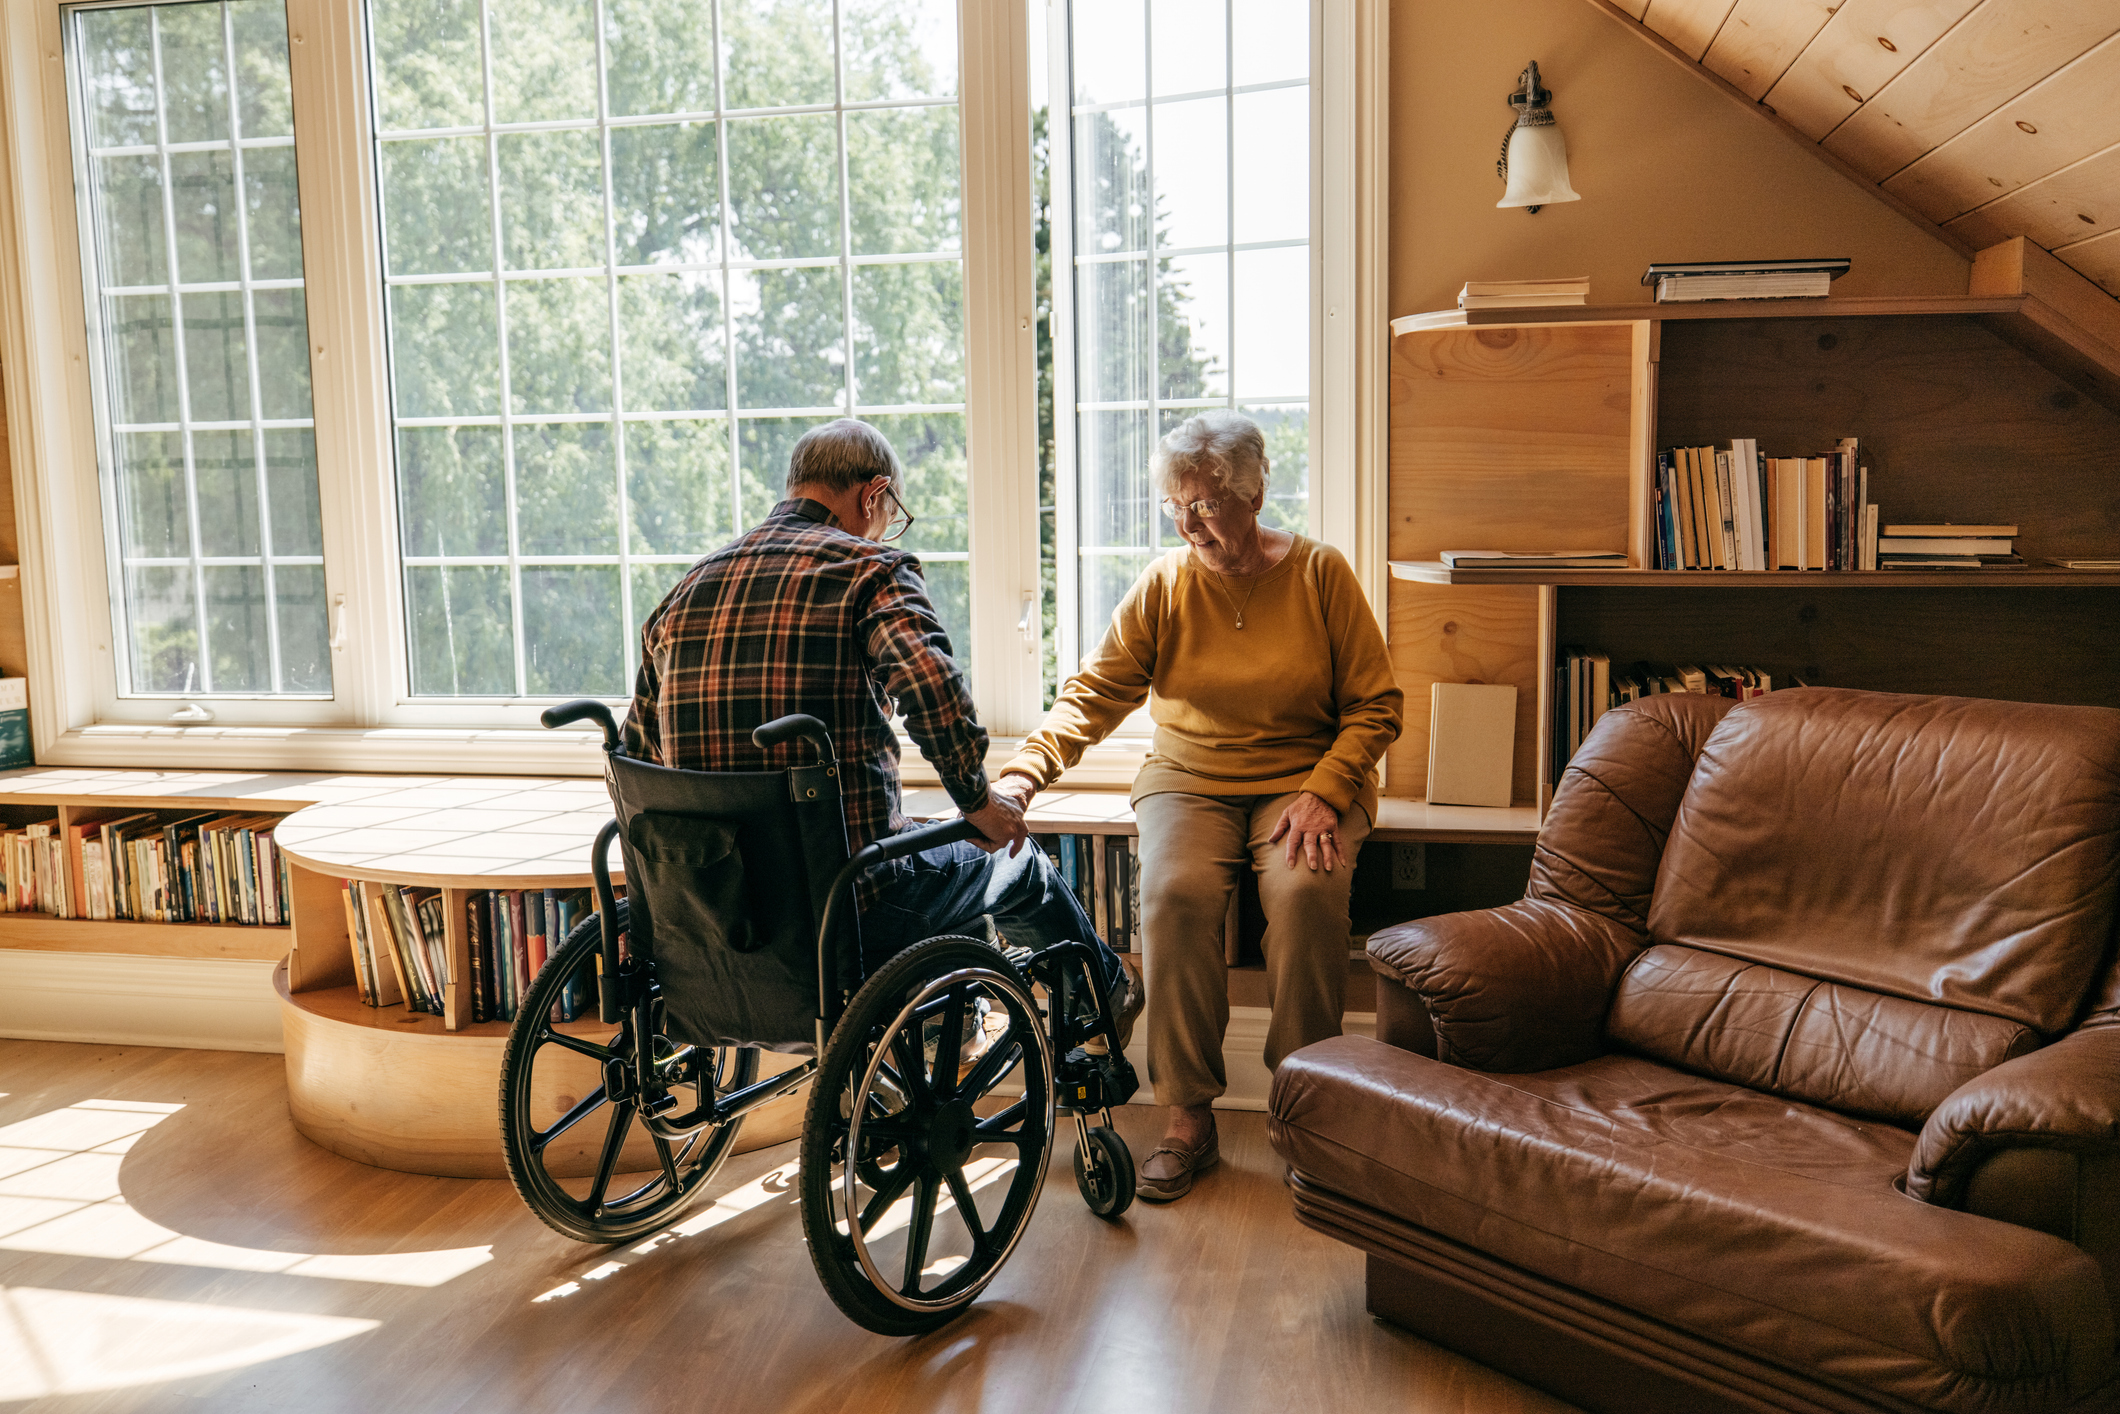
(775,899)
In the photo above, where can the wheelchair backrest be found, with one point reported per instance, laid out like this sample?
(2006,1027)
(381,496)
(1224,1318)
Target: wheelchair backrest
(727,875)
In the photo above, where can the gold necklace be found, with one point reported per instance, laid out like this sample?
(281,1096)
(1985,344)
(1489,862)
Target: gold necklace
(1240,608)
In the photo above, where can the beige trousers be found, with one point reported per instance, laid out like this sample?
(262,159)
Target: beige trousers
(1192,847)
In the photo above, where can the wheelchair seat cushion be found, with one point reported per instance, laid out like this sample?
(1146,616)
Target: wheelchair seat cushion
(1751,1220)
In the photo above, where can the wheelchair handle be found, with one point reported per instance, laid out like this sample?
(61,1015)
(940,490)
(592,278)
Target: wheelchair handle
(796,724)
(568,713)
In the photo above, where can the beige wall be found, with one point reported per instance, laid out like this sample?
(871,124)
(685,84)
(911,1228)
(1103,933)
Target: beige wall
(1669,167)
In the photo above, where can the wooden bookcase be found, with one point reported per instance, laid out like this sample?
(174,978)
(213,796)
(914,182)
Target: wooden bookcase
(1540,433)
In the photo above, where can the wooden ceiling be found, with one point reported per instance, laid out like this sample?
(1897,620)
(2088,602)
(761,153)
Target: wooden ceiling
(1990,118)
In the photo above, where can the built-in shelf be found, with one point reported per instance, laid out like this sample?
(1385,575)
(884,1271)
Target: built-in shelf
(45,933)
(1436,572)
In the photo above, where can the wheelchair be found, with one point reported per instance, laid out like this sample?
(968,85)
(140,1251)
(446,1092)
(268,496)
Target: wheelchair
(935,1080)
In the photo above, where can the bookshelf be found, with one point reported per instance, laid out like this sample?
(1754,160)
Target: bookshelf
(1537,430)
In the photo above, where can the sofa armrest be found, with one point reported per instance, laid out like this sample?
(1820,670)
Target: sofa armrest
(1520,988)
(2065,1097)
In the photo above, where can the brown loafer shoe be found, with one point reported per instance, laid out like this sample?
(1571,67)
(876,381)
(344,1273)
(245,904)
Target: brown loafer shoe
(1167,1173)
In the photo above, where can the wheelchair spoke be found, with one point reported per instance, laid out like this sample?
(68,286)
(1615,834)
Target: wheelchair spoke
(911,1073)
(614,1140)
(886,1195)
(919,1230)
(669,1163)
(967,1209)
(575,1043)
(567,1121)
(992,1066)
(997,1130)
(949,1045)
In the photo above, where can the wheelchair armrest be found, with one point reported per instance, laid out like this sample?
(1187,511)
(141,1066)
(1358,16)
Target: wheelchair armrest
(907,842)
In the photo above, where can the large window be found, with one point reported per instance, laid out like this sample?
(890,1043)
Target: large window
(634,251)
(192,258)
(1181,245)
(382,363)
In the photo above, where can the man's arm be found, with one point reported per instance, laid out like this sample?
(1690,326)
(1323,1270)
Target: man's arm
(642,732)
(903,637)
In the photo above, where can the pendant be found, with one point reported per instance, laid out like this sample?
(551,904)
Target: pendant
(1240,621)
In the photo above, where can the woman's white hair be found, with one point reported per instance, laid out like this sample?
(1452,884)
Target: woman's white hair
(1225,448)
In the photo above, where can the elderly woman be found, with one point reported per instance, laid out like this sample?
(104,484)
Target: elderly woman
(1273,700)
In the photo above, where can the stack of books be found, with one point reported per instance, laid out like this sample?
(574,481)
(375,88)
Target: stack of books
(1104,872)
(1587,685)
(401,951)
(1744,279)
(1524,294)
(1948,547)
(1538,560)
(1735,509)
(150,866)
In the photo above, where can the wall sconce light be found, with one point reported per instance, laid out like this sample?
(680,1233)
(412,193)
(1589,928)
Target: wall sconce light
(1534,156)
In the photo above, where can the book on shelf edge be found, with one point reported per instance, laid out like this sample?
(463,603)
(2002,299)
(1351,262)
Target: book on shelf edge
(1564,285)
(1546,560)
(2108,564)
(1956,532)
(1834,265)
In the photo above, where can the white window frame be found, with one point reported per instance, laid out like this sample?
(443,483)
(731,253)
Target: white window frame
(371,722)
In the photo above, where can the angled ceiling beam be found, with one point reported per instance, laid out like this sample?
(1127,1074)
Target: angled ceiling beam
(1766,115)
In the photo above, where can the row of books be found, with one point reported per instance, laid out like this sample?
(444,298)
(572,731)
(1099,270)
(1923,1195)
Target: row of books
(151,866)
(401,949)
(1104,871)
(1524,294)
(1679,283)
(1735,509)
(1949,547)
(1587,685)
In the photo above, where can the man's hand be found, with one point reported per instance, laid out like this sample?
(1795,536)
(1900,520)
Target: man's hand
(1314,827)
(1000,820)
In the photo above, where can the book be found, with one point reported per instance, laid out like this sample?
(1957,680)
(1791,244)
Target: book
(1471,743)
(2091,564)
(1975,532)
(1546,560)
(1744,279)
(1928,562)
(1502,289)
(1942,545)
(15,747)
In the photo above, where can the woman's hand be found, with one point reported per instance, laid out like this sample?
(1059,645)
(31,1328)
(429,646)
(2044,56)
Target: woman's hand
(1312,825)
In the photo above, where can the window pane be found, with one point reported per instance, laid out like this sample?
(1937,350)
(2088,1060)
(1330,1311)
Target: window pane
(544,59)
(909,333)
(434,206)
(1273,136)
(671,342)
(1193,327)
(784,187)
(460,626)
(660,55)
(444,343)
(428,67)
(1272,323)
(185,378)
(566,489)
(900,48)
(708,279)
(777,53)
(1192,174)
(677,488)
(1111,182)
(666,193)
(1113,331)
(1115,501)
(1287,429)
(1189,46)
(937,491)
(1270,42)
(573,633)
(1109,61)
(652,583)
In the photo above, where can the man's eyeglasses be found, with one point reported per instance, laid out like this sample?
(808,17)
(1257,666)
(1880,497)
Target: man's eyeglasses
(901,519)
(1205,510)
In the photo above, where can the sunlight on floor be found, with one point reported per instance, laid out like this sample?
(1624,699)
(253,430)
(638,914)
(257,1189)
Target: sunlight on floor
(66,1342)
(773,1183)
(59,1194)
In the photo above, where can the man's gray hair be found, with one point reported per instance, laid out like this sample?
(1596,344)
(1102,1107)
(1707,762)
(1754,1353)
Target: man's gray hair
(1224,448)
(842,453)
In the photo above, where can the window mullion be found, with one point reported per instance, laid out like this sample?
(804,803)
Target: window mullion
(1060,246)
(500,325)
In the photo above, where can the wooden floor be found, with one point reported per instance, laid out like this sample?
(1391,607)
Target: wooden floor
(167,1241)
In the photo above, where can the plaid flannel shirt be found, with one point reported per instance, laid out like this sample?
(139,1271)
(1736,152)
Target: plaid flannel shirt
(798,615)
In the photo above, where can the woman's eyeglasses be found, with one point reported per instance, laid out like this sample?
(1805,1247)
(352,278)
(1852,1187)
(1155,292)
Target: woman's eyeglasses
(1205,510)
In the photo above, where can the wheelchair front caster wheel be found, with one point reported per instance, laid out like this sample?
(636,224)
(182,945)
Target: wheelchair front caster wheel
(1104,1171)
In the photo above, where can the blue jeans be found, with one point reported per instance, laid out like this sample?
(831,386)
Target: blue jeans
(946,889)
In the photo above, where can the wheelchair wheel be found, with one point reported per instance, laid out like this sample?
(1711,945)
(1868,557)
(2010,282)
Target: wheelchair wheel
(565,1136)
(1104,1171)
(919,1170)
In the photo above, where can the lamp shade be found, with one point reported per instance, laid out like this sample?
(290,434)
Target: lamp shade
(1537,165)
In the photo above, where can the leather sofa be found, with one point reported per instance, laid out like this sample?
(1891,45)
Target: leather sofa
(1792,1083)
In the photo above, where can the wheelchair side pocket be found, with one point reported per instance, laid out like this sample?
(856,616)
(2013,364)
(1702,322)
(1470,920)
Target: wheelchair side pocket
(696,877)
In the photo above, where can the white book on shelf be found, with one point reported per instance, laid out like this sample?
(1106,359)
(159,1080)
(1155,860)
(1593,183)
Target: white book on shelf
(1744,467)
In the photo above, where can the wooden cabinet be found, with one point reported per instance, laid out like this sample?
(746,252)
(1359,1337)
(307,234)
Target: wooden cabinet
(1535,434)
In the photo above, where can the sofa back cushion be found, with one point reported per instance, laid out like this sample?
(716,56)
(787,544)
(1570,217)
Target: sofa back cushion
(1937,849)
(1823,1042)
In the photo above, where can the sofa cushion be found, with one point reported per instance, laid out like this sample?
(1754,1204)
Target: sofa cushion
(1756,1222)
(1824,1042)
(1940,849)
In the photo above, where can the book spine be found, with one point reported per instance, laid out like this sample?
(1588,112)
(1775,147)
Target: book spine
(364,984)
(475,945)
(519,942)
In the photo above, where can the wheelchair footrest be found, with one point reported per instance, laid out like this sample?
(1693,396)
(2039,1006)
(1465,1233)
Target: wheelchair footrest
(1086,1082)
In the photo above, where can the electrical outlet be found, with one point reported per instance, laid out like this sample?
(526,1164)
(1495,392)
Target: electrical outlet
(1409,866)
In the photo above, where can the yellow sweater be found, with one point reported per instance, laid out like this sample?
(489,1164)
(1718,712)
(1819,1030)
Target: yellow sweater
(1300,698)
